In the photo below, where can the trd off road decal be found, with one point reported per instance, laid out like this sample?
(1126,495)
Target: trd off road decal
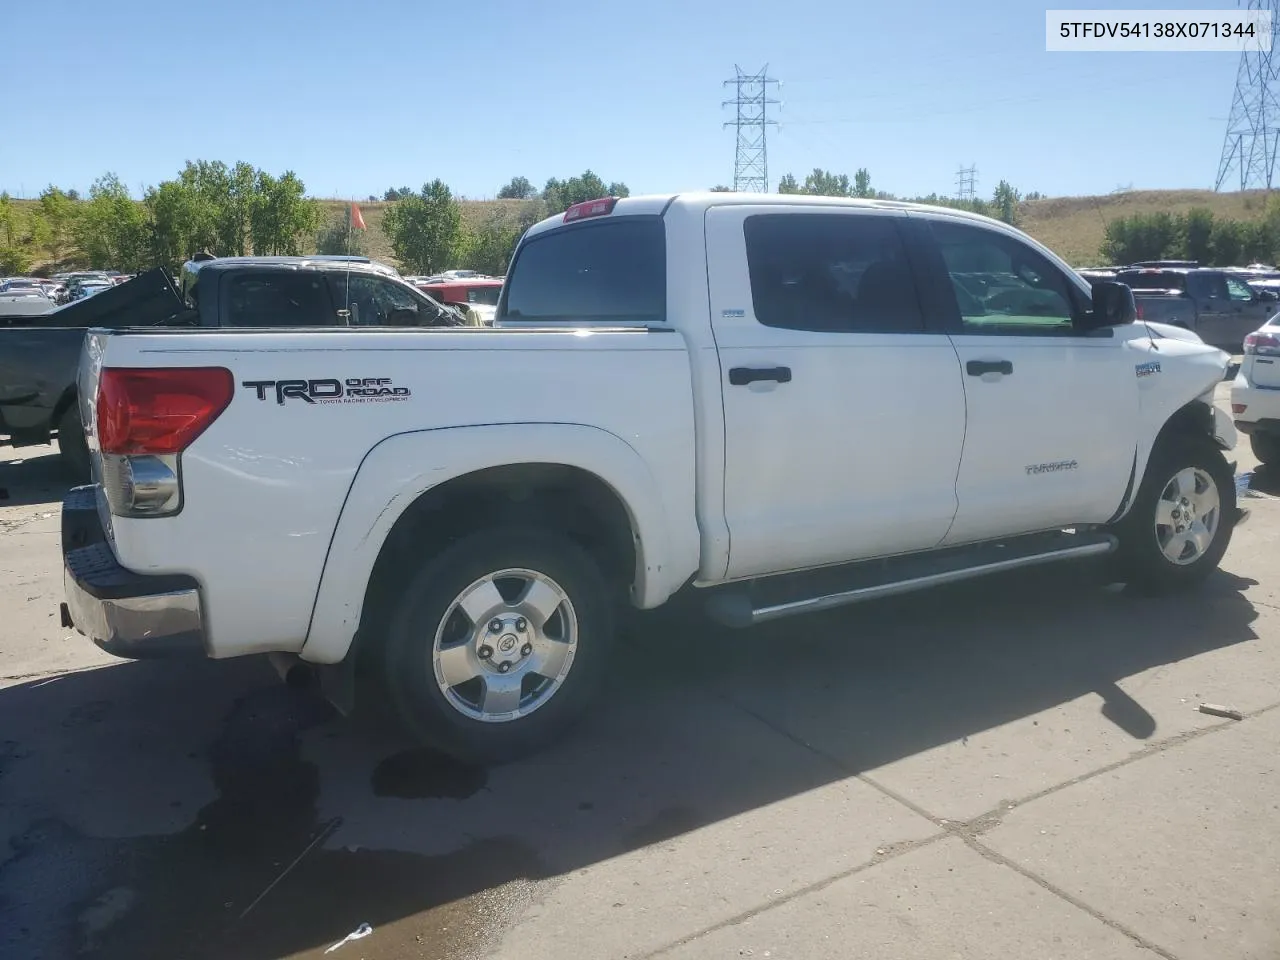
(330,390)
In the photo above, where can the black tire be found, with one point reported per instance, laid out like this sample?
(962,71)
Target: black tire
(72,446)
(1142,561)
(1265,446)
(419,611)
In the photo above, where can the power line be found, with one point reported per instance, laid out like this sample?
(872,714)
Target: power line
(1253,127)
(751,156)
(967,183)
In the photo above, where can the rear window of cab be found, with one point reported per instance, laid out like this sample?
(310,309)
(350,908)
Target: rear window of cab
(611,271)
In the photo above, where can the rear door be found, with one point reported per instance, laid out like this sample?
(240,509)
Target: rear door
(1052,413)
(844,417)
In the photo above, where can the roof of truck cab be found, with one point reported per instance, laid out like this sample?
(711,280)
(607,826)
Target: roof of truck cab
(326,263)
(657,204)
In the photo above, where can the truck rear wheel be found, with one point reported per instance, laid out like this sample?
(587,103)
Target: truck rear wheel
(1265,446)
(498,643)
(1182,518)
(72,446)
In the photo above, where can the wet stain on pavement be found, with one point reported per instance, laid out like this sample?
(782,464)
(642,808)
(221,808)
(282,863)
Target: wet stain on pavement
(251,877)
(425,774)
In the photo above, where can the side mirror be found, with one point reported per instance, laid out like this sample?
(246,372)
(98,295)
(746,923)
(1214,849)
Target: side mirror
(1113,305)
(1268,295)
(402,317)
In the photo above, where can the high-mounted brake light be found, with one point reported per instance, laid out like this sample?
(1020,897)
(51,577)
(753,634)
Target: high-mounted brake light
(161,410)
(1261,343)
(591,208)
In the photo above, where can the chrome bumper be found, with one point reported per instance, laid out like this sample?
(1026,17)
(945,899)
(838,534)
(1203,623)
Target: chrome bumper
(125,613)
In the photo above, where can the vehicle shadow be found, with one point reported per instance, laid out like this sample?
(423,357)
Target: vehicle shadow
(33,475)
(205,810)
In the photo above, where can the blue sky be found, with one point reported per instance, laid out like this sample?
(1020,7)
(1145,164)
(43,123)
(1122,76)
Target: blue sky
(357,97)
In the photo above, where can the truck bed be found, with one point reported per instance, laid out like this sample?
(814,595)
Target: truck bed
(324,421)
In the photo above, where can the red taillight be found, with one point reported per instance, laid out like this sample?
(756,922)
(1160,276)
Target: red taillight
(1138,309)
(1261,342)
(592,208)
(1238,407)
(159,411)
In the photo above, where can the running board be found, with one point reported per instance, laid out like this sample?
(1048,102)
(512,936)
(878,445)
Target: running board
(757,601)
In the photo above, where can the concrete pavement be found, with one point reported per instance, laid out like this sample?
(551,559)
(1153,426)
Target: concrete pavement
(1014,769)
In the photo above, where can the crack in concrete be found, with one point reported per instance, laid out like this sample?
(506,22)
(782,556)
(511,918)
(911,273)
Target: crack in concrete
(967,831)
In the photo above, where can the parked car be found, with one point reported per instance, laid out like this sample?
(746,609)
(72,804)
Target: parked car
(38,363)
(1219,307)
(1255,392)
(681,396)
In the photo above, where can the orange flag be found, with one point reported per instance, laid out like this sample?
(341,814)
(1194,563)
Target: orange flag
(357,221)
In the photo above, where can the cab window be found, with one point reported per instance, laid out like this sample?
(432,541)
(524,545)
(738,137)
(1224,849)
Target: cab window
(609,271)
(284,299)
(1239,290)
(1003,286)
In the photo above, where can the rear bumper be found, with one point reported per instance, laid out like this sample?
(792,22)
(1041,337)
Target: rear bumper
(127,614)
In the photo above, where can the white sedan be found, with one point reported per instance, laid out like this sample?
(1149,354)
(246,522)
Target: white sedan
(1255,393)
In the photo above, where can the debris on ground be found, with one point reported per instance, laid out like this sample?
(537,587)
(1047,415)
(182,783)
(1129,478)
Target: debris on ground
(1214,710)
(359,933)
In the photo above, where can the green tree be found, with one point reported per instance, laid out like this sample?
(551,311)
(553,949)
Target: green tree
(1005,201)
(721,188)
(1197,231)
(280,214)
(182,222)
(112,228)
(15,251)
(1143,236)
(560,195)
(425,229)
(1226,242)
(822,183)
(242,194)
(788,184)
(59,211)
(338,236)
(518,189)
(862,183)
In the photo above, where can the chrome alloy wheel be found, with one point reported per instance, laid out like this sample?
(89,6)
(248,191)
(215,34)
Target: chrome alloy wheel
(505,645)
(1188,515)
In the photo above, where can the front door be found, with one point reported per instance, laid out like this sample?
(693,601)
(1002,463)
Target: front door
(843,417)
(1052,413)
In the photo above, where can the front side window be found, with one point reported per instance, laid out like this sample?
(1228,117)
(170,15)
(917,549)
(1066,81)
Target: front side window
(285,299)
(1003,286)
(609,271)
(378,302)
(1239,290)
(831,272)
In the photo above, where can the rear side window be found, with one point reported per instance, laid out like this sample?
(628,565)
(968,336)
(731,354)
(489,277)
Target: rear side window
(293,299)
(597,273)
(830,272)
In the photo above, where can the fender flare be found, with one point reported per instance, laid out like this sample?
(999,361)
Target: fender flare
(402,467)
(1197,414)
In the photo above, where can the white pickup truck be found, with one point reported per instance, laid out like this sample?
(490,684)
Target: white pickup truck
(781,404)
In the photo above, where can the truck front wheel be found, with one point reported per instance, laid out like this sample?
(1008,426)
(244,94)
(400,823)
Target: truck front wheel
(1182,518)
(498,642)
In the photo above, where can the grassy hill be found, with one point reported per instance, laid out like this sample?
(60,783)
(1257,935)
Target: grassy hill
(1071,226)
